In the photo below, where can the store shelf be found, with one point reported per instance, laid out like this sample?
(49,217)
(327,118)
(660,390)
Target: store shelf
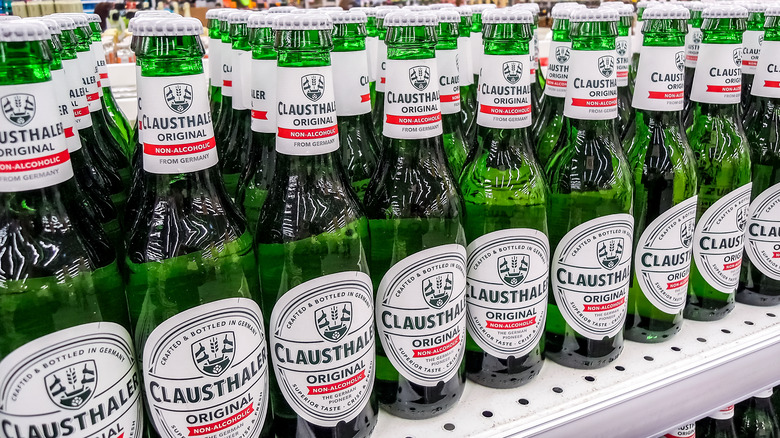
(648,390)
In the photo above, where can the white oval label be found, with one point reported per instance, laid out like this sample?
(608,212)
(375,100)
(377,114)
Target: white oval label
(763,232)
(504,93)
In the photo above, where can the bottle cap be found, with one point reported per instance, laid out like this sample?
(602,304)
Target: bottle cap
(599,14)
(66,23)
(319,21)
(261,20)
(645,4)
(438,6)
(15,31)
(772,11)
(370,12)
(382,11)
(666,12)
(212,14)
(623,9)
(50,24)
(753,7)
(330,8)
(533,7)
(564,10)
(406,18)
(9,17)
(478,9)
(94,18)
(79,19)
(239,17)
(465,11)
(725,11)
(347,17)
(281,9)
(507,15)
(416,8)
(447,15)
(166,27)
(224,13)
(694,5)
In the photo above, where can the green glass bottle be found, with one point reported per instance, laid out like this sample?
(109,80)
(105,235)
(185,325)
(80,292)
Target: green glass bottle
(372,46)
(547,127)
(719,424)
(418,252)
(537,85)
(215,61)
(225,113)
(508,255)
(256,179)
(65,352)
(624,60)
(447,63)
(752,41)
(232,142)
(378,112)
(692,45)
(591,202)
(664,172)
(312,244)
(359,143)
(468,89)
(760,277)
(193,282)
(641,7)
(756,418)
(776,398)
(683,431)
(723,163)
(475,38)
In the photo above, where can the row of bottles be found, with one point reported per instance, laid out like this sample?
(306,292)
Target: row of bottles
(755,417)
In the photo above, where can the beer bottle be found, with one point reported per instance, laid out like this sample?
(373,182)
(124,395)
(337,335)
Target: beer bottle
(719,424)
(664,173)
(590,206)
(752,40)
(756,418)
(475,38)
(537,91)
(372,46)
(315,281)
(377,113)
(418,252)
(760,277)
(447,63)
(225,112)
(506,222)
(65,350)
(547,127)
(624,59)
(692,44)
(468,88)
(193,281)
(234,139)
(215,62)
(257,178)
(776,399)
(684,431)
(723,164)
(641,7)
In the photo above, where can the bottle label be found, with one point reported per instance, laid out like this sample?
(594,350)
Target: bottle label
(100,60)
(660,84)
(79,382)
(558,68)
(176,123)
(412,109)
(263,94)
(592,93)
(764,393)
(533,50)
(215,62)
(590,273)
(477,50)
(60,82)
(322,342)
(449,81)
(205,371)
(381,52)
(421,314)
(718,77)
(504,92)
(506,290)
(306,111)
(662,261)
(766,82)
(227,69)
(89,75)
(242,79)
(372,48)
(77,94)
(720,239)
(623,49)
(34,152)
(692,43)
(139,112)
(465,63)
(763,232)
(752,40)
(353,95)
(723,414)
(684,431)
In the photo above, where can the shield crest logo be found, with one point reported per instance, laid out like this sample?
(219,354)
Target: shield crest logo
(313,86)
(686,233)
(513,268)
(742,217)
(562,54)
(679,60)
(761,39)
(437,289)
(18,108)
(607,65)
(513,71)
(420,77)
(621,47)
(73,386)
(178,97)
(737,55)
(609,252)
(697,37)
(214,354)
(333,321)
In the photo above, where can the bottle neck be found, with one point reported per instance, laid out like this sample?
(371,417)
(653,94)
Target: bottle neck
(303,48)
(464,28)
(560,30)
(262,43)
(349,37)
(239,37)
(476,23)
(447,36)
(411,42)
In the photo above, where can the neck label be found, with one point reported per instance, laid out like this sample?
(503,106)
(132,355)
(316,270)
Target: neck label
(684,431)
(662,261)
(100,60)
(215,62)
(381,67)
(77,94)
(89,79)
(763,232)
(353,95)
(421,314)
(752,40)
(723,414)
(558,68)
(764,393)
(206,370)
(623,50)
(60,82)
(33,151)
(81,381)
(766,82)
(506,290)
(504,93)
(322,346)
(449,81)
(372,50)
(465,63)
(590,273)
(263,94)
(692,42)
(175,119)
(412,108)
(720,238)
(660,79)
(592,93)
(533,49)
(242,79)
(718,74)
(306,111)
(227,69)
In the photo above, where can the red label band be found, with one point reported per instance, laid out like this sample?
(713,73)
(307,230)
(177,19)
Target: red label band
(724,88)
(446,98)
(427,352)
(693,58)
(179,149)
(750,63)
(99,86)
(622,73)
(34,163)
(103,75)
(308,134)
(210,428)
(605,306)
(666,94)
(226,83)
(732,265)
(594,103)
(259,115)
(93,97)
(69,132)
(505,110)
(509,325)
(677,284)
(338,386)
(543,62)
(81,112)
(365,98)
(772,84)
(381,80)
(556,83)
(413,120)
(776,255)
(533,71)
